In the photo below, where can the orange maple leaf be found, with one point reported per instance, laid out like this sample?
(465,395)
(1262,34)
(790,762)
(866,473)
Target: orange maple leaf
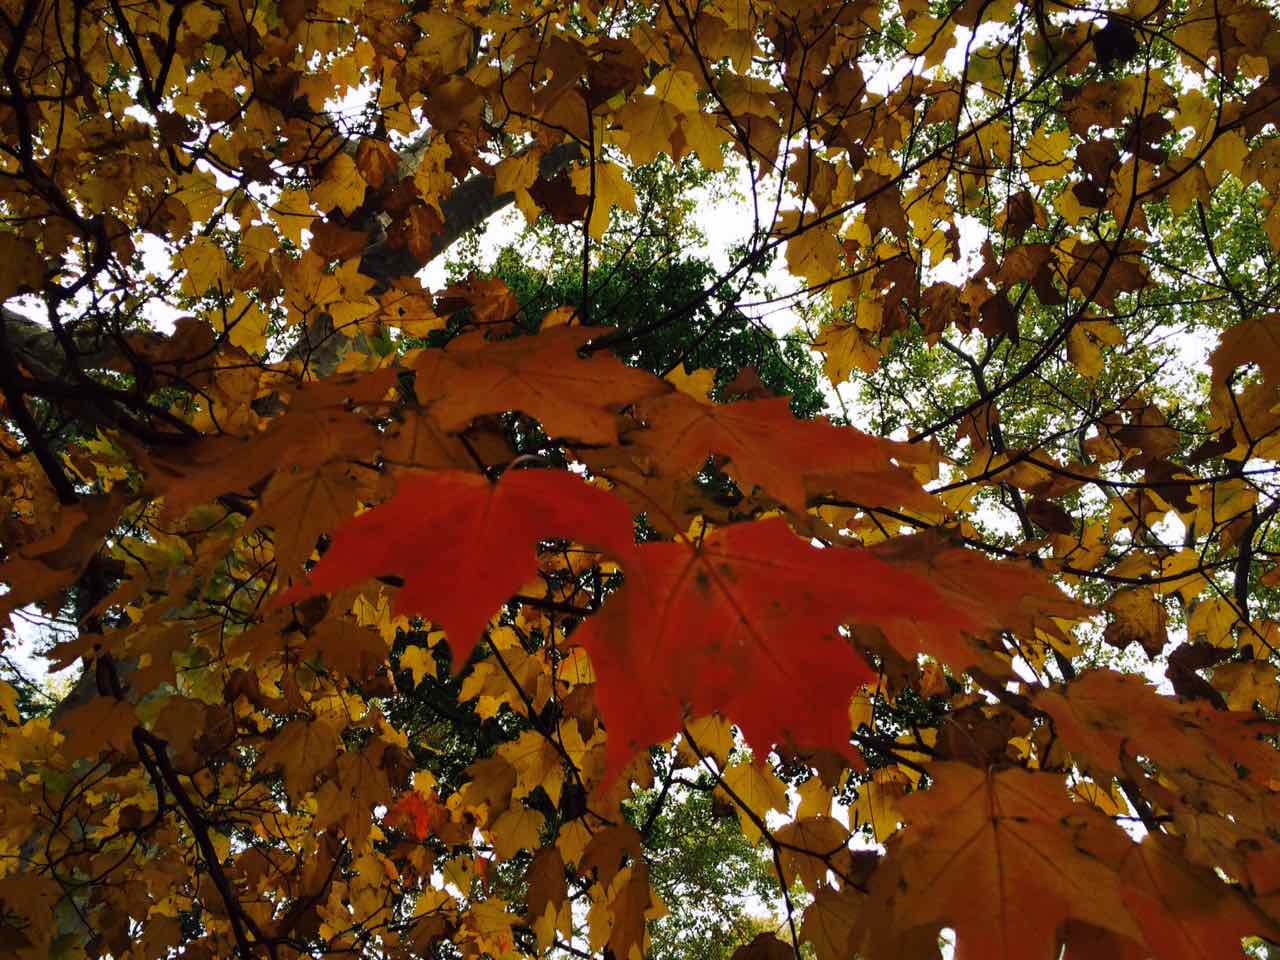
(996,855)
(542,376)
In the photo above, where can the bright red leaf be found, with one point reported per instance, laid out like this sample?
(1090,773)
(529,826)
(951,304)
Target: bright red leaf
(464,545)
(418,814)
(745,624)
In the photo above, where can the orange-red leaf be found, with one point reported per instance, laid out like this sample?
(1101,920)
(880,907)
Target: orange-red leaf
(418,814)
(1103,715)
(995,596)
(767,446)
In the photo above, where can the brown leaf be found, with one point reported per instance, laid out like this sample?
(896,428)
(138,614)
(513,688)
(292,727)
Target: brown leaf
(300,441)
(607,850)
(333,241)
(547,884)
(806,846)
(377,161)
(347,800)
(1186,912)
(829,922)
(632,906)
(765,946)
(101,724)
(299,505)
(1050,516)
(302,748)
(347,650)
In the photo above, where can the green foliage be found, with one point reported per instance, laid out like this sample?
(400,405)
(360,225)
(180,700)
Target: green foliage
(719,889)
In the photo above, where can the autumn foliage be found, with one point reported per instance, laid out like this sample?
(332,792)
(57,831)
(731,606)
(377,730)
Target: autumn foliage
(1004,676)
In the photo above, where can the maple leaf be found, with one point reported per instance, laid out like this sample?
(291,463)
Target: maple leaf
(302,748)
(1138,615)
(548,894)
(809,843)
(542,376)
(631,906)
(302,439)
(349,797)
(345,647)
(993,597)
(1186,911)
(517,829)
(417,535)
(998,856)
(299,255)
(750,604)
(1103,716)
(767,446)
(755,790)
(537,762)
(603,856)
(828,924)
(36,570)
(32,901)
(101,724)
(420,443)
(302,504)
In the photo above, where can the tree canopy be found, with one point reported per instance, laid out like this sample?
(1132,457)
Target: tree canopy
(840,520)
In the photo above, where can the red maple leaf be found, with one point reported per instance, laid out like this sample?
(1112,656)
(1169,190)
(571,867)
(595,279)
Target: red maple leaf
(417,814)
(464,545)
(744,623)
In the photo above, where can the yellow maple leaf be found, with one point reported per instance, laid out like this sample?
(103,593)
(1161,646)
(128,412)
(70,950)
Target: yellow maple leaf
(1046,155)
(755,792)
(516,173)
(9,702)
(612,189)
(845,348)
(292,214)
(647,124)
(1088,340)
(205,264)
(697,384)
(419,662)
(245,324)
(705,137)
(342,187)
(518,829)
